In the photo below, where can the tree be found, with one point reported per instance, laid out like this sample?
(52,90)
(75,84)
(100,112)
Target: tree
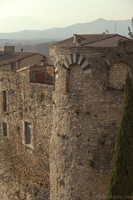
(106,31)
(130,33)
(121,177)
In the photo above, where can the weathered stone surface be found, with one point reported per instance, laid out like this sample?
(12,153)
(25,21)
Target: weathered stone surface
(73,123)
(24,168)
(86,115)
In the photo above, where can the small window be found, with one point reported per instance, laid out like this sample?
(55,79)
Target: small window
(4,101)
(13,66)
(5,129)
(27,133)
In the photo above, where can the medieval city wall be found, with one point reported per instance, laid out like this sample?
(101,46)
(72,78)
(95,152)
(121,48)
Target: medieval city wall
(25,167)
(88,101)
(73,124)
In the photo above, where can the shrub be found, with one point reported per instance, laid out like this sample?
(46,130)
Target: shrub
(91,163)
(40,96)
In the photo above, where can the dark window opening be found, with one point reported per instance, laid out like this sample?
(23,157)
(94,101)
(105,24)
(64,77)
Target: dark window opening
(4,129)
(13,66)
(4,101)
(67,80)
(27,133)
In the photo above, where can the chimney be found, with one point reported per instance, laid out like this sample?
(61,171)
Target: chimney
(9,49)
(76,40)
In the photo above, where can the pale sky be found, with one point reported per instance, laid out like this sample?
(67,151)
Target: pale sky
(61,13)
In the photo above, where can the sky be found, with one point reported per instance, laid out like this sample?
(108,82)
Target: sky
(17,15)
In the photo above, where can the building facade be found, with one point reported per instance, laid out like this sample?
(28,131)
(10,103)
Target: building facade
(90,73)
(10,60)
(58,125)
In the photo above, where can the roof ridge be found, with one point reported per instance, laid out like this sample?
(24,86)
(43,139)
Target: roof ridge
(113,35)
(99,34)
(62,41)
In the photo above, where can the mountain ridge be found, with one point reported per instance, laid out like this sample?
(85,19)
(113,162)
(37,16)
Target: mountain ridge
(97,26)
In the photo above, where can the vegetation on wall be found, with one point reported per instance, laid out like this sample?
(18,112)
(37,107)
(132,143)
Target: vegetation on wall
(130,33)
(40,96)
(121,177)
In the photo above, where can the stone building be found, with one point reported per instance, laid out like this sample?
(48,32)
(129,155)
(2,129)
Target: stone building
(26,121)
(11,60)
(58,126)
(90,73)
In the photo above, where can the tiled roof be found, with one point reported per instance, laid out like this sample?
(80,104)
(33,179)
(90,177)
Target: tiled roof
(94,40)
(7,58)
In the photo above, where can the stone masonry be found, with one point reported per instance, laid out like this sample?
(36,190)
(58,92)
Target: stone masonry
(88,99)
(24,167)
(58,127)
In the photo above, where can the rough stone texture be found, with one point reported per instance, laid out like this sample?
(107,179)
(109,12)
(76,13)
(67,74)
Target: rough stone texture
(117,75)
(24,168)
(73,127)
(87,110)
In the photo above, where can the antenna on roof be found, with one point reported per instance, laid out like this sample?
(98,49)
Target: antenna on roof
(7,43)
(115,27)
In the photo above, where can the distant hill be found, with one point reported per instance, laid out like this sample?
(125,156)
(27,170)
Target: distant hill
(98,26)
(40,46)
(14,24)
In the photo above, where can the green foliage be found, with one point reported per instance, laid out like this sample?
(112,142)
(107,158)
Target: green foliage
(121,177)
(87,112)
(91,163)
(78,135)
(40,96)
(130,33)
(75,110)
(101,142)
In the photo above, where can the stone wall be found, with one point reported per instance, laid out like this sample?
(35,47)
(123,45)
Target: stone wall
(72,129)
(25,167)
(117,75)
(86,115)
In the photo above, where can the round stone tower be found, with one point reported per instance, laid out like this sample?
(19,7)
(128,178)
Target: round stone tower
(87,103)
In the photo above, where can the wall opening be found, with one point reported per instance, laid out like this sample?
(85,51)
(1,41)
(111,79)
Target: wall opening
(27,132)
(4,126)
(13,66)
(4,101)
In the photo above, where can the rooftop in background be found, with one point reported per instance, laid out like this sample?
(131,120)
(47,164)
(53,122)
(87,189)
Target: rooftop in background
(92,40)
(7,58)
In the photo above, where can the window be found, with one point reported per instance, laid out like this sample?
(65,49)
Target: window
(4,101)
(27,133)
(13,66)
(5,129)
